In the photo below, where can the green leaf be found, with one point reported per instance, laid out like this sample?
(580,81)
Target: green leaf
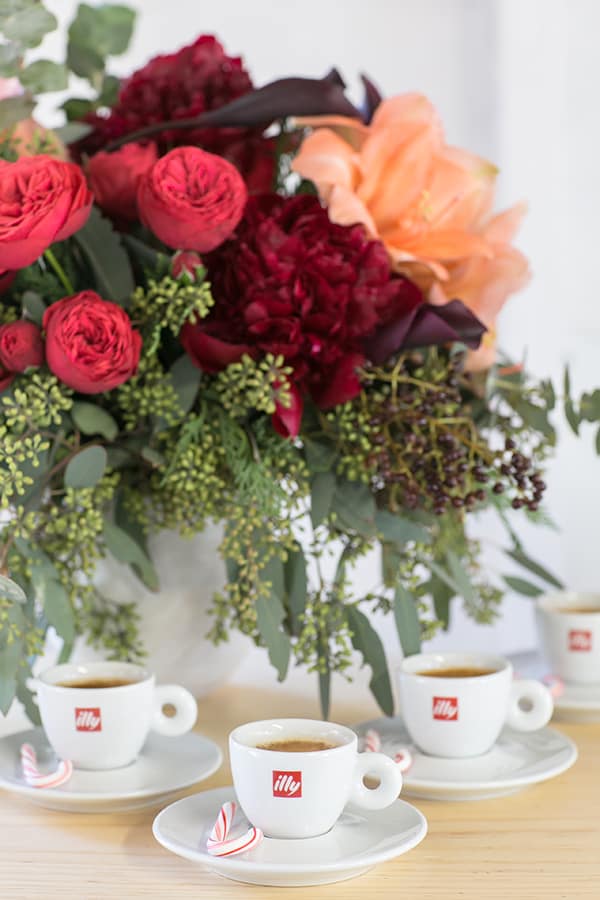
(43,75)
(15,109)
(366,640)
(77,108)
(72,131)
(442,594)
(127,550)
(460,576)
(398,530)
(34,306)
(10,57)
(10,657)
(325,692)
(520,557)
(322,489)
(152,456)
(354,506)
(521,586)
(26,697)
(269,618)
(95,33)
(27,26)
(590,406)
(296,586)
(571,415)
(598,442)
(534,416)
(10,590)
(273,573)
(85,62)
(92,419)
(109,91)
(58,610)
(548,394)
(407,621)
(390,562)
(185,377)
(86,468)
(445,578)
(107,258)
(319,457)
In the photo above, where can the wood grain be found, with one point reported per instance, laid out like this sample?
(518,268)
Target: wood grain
(541,843)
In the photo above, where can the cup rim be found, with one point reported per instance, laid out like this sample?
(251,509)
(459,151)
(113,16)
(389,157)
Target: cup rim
(557,603)
(419,662)
(72,671)
(320,730)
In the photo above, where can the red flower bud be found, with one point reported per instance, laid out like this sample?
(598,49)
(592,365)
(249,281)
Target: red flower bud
(21,346)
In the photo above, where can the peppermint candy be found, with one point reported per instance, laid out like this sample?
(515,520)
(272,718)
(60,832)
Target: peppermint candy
(220,844)
(37,779)
(372,744)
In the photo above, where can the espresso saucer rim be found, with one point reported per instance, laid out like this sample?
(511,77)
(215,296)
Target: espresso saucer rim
(566,702)
(105,799)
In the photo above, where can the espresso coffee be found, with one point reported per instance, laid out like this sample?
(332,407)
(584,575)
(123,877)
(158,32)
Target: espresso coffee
(457,672)
(96,682)
(578,609)
(297,745)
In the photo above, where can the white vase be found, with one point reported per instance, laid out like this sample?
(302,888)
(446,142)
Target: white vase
(175,621)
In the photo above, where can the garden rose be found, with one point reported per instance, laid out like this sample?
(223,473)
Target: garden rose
(192,200)
(6,378)
(90,344)
(114,178)
(42,200)
(21,346)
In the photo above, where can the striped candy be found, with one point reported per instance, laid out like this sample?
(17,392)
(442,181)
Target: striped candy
(219,843)
(372,744)
(37,779)
(555,685)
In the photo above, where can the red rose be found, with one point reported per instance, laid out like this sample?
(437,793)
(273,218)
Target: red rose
(21,346)
(114,178)
(6,378)
(185,264)
(42,200)
(192,200)
(90,344)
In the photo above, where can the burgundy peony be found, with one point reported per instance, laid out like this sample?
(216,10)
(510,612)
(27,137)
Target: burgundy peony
(21,346)
(114,178)
(192,200)
(42,200)
(90,344)
(196,79)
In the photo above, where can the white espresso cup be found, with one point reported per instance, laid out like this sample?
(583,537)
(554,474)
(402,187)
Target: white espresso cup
(569,626)
(295,794)
(106,727)
(463,716)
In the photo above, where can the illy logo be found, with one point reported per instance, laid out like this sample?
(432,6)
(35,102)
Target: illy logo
(580,640)
(445,708)
(287,784)
(88,719)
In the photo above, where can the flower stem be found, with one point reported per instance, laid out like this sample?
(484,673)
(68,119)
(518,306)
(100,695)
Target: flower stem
(60,272)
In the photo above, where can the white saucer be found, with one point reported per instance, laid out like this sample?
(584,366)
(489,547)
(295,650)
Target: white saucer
(517,760)
(578,703)
(165,766)
(355,844)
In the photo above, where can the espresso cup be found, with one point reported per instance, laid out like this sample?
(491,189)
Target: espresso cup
(569,627)
(98,726)
(297,794)
(462,716)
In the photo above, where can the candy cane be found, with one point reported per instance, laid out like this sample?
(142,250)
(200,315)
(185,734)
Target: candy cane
(372,744)
(37,779)
(555,685)
(403,758)
(218,843)
(372,741)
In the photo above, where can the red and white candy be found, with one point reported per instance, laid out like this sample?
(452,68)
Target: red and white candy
(372,744)
(37,779)
(220,844)
(555,685)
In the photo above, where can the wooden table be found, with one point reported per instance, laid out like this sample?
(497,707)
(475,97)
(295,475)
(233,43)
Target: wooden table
(541,844)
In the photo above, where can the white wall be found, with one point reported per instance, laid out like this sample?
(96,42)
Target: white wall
(515,80)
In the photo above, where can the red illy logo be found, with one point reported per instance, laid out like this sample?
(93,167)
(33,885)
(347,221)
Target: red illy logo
(580,640)
(287,784)
(88,719)
(445,708)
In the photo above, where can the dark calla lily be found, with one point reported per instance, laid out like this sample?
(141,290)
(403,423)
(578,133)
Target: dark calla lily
(372,99)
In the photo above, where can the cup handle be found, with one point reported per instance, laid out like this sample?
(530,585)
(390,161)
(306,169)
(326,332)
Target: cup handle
(531,705)
(186,710)
(390,781)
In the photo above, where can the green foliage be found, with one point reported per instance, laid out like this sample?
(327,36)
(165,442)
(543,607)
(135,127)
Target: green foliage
(251,386)
(44,75)
(96,33)
(169,303)
(108,260)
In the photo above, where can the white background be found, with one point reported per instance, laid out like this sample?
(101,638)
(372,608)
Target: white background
(516,81)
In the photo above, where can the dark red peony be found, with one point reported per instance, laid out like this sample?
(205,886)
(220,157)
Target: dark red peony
(114,178)
(21,346)
(191,200)
(196,79)
(42,200)
(90,344)
(291,282)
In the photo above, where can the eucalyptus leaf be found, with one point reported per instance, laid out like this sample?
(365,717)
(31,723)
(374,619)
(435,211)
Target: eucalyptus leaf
(10,590)
(354,506)
(58,610)
(10,57)
(92,419)
(322,489)
(44,75)
(590,406)
(366,640)
(27,698)
(296,586)
(325,692)
(320,457)
(536,417)
(442,595)
(598,442)
(407,621)
(110,264)
(521,586)
(109,91)
(15,109)
(520,557)
(28,24)
(95,33)
(86,468)
(445,577)
(269,618)
(10,658)
(390,562)
(273,573)
(399,530)
(72,131)
(153,456)
(34,306)
(185,377)
(83,61)
(571,414)
(460,575)
(76,108)
(126,549)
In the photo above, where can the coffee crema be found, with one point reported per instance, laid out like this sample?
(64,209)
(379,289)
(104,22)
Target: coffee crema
(96,682)
(577,609)
(297,745)
(457,672)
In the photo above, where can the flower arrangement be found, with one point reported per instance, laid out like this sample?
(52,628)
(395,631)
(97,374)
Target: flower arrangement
(263,307)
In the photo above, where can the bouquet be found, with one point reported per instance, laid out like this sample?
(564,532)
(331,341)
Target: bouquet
(264,307)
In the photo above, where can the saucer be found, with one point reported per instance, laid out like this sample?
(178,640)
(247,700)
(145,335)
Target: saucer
(517,760)
(165,766)
(578,703)
(357,842)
